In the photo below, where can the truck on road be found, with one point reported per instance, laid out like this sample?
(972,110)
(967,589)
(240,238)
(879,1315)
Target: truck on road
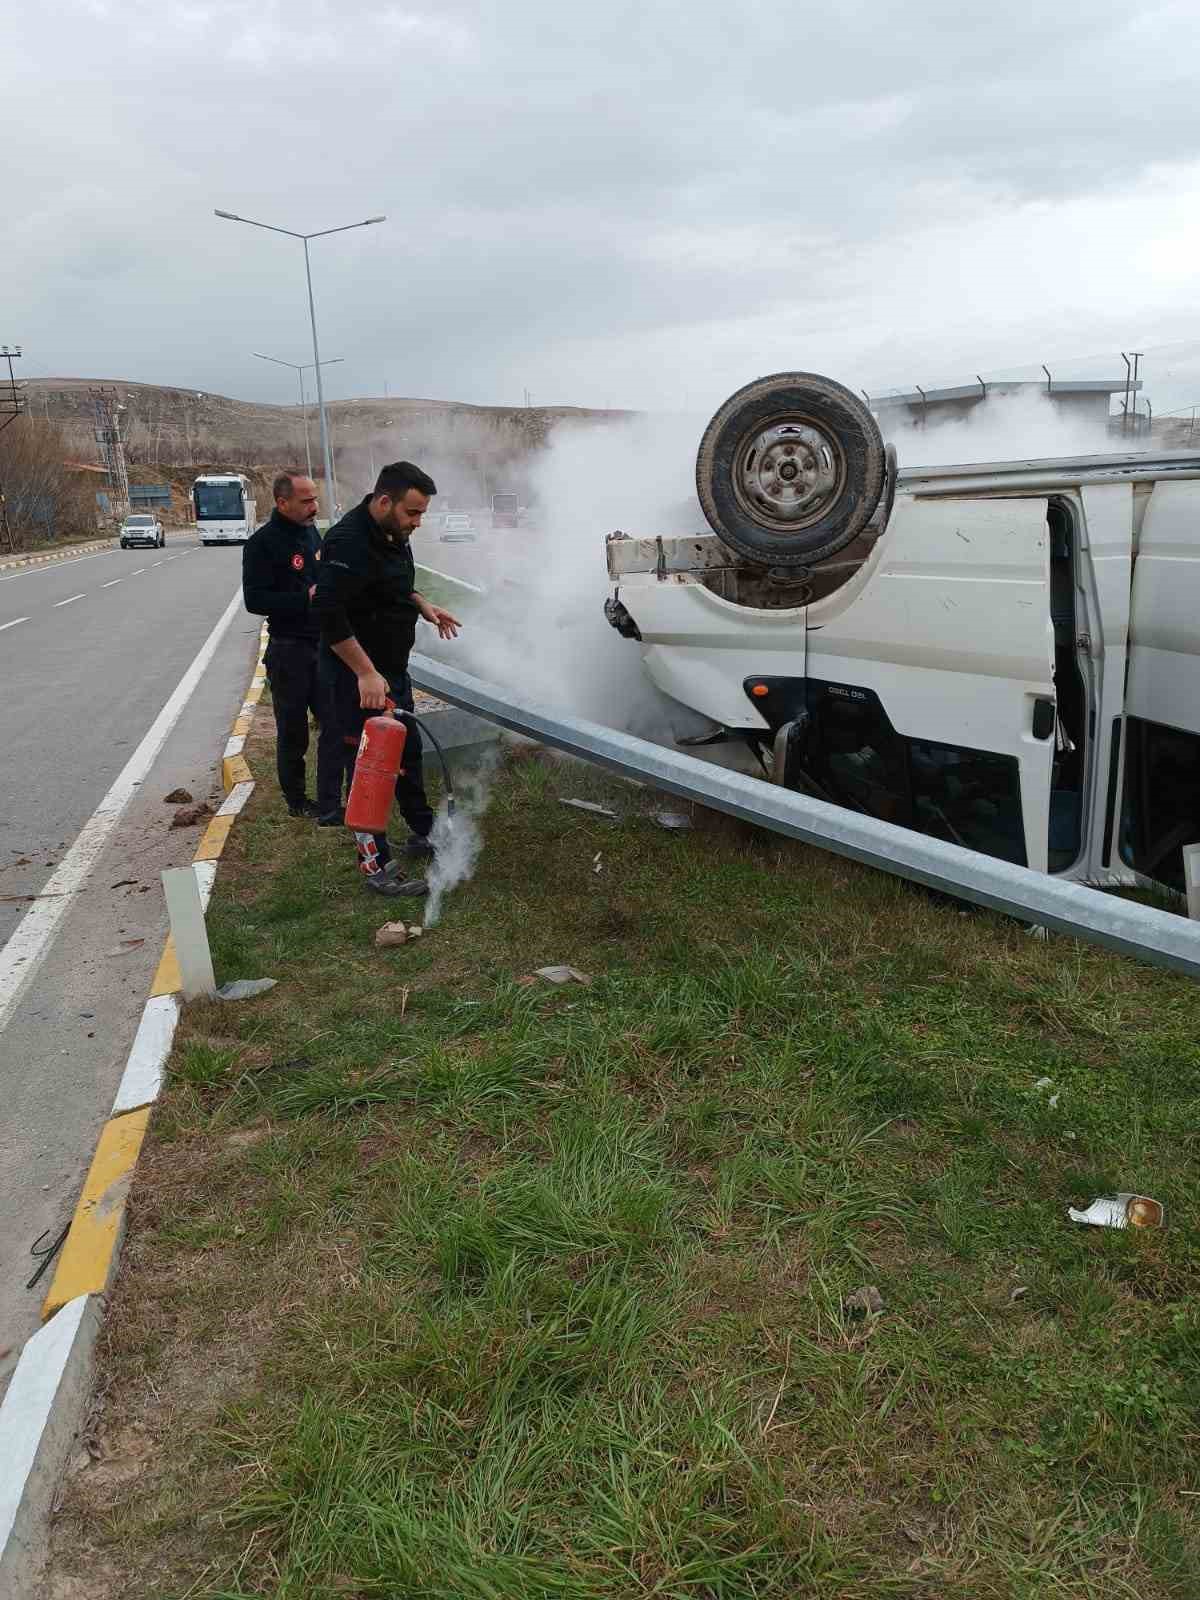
(1005,655)
(506,511)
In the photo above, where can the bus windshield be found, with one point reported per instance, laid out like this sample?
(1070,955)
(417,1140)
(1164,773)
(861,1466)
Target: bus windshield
(218,502)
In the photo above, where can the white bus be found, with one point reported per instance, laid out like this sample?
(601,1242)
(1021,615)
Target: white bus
(224,506)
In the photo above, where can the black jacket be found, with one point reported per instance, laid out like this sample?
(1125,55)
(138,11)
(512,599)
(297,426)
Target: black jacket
(365,591)
(280,562)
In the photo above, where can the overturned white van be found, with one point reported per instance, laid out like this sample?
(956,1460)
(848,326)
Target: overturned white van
(1003,655)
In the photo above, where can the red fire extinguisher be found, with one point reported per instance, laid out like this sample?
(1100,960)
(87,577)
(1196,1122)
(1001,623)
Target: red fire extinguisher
(377,766)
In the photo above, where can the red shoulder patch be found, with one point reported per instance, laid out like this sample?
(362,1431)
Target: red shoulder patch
(298,562)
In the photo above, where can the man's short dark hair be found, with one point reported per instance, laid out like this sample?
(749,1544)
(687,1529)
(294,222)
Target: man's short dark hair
(285,484)
(397,479)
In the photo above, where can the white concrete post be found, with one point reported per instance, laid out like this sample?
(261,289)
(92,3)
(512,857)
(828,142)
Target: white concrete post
(189,933)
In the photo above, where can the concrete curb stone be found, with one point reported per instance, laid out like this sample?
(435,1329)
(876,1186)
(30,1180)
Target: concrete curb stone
(58,555)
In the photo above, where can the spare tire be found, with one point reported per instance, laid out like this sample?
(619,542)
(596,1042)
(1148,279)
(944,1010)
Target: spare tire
(790,469)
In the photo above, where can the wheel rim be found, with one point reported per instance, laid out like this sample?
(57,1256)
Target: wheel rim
(788,474)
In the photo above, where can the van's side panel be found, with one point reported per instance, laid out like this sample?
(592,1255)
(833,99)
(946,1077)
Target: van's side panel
(950,626)
(1164,668)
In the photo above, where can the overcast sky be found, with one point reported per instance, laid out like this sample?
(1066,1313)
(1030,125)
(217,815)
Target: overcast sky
(638,204)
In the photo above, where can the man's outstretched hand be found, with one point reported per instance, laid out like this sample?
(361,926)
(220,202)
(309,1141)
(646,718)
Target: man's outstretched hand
(446,625)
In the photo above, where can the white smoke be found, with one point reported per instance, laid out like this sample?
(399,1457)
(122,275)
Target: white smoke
(1020,425)
(458,839)
(540,629)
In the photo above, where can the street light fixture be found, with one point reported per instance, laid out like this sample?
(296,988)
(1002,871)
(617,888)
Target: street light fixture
(332,361)
(232,216)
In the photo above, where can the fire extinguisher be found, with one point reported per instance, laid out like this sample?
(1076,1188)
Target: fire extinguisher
(378,764)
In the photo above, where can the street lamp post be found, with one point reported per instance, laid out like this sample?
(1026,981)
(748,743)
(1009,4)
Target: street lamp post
(332,361)
(232,216)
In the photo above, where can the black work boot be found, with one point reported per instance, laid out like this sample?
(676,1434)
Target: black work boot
(392,887)
(418,847)
(303,807)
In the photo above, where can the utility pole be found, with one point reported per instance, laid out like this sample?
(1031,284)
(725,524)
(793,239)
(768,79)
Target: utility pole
(12,405)
(107,414)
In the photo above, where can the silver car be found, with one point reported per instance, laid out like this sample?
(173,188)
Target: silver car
(142,530)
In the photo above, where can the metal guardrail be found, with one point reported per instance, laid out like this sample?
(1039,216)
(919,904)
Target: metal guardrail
(1158,937)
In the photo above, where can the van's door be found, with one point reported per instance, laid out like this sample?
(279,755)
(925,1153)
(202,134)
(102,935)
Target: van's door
(931,677)
(1162,698)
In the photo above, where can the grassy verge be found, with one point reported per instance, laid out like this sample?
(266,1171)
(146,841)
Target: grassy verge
(443,1284)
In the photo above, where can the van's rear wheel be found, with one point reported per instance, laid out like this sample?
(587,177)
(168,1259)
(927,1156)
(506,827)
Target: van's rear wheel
(790,469)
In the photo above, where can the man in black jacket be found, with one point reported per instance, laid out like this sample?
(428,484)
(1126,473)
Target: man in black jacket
(368,608)
(279,576)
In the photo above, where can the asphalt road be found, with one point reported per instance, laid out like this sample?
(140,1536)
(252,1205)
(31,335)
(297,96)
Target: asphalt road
(91,650)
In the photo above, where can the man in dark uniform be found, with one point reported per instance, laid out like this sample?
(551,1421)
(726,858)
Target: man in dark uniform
(280,562)
(368,609)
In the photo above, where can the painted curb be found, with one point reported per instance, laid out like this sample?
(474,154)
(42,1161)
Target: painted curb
(39,1424)
(89,1256)
(59,555)
(45,1404)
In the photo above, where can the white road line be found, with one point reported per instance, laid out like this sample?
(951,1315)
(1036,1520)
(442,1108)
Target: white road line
(70,600)
(137,573)
(450,578)
(111,582)
(34,934)
(156,563)
(54,566)
(13,623)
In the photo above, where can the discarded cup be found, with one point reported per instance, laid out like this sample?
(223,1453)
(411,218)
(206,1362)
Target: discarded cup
(1120,1211)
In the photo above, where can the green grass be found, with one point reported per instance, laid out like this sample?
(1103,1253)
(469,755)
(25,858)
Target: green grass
(443,1285)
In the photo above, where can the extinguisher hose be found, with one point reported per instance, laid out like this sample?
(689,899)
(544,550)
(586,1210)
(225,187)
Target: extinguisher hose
(409,716)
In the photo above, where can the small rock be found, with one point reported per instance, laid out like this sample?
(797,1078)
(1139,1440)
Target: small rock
(178,797)
(864,1302)
(560,975)
(188,816)
(673,821)
(1018,1293)
(392,933)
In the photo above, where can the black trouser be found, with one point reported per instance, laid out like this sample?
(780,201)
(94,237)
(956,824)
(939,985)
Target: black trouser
(295,691)
(341,686)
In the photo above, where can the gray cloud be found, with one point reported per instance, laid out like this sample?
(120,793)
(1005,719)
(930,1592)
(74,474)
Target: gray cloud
(619,203)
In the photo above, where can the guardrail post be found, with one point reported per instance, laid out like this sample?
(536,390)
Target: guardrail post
(186,912)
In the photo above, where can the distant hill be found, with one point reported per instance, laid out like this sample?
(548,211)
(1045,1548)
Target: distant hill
(472,451)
